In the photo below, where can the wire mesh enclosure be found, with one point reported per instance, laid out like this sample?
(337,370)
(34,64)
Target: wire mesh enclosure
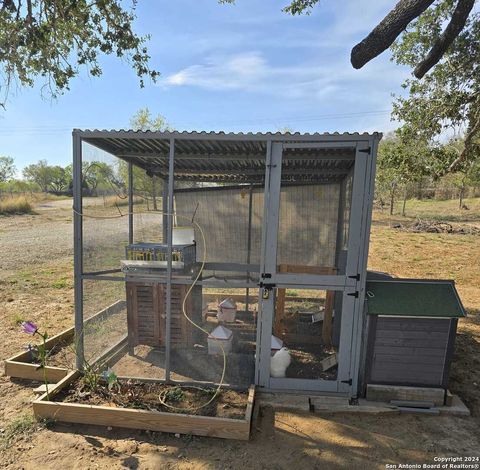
(228,258)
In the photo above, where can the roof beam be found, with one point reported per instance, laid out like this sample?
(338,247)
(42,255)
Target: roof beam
(308,172)
(235,156)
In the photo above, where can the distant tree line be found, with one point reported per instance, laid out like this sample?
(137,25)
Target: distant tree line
(415,168)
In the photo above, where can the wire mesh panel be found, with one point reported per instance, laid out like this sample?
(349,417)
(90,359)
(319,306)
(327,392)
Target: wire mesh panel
(105,210)
(105,317)
(308,223)
(223,214)
(224,338)
(303,324)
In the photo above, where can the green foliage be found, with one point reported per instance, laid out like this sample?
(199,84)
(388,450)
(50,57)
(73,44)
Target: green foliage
(144,121)
(39,173)
(145,185)
(7,169)
(448,98)
(298,7)
(175,394)
(53,39)
(56,179)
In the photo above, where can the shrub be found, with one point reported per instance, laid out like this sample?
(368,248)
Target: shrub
(15,205)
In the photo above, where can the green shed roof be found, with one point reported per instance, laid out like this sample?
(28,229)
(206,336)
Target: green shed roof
(412,297)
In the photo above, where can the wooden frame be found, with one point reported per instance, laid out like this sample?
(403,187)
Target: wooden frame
(329,302)
(225,428)
(20,365)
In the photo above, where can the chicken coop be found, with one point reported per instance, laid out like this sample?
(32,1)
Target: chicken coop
(220,249)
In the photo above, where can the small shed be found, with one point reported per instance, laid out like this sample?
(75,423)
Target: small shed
(411,331)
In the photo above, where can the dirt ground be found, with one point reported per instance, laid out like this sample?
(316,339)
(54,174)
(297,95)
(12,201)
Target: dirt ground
(36,284)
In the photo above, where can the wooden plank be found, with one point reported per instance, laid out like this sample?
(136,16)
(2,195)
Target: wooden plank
(407,343)
(379,392)
(328,318)
(415,379)
(141,419)
(412,360)
(430,335)
(23,370)
(279,306)
(250,403)
(155,313)
(252,299)
(412,324)
(303,269)
(131,313)
(329,362)
(400,351)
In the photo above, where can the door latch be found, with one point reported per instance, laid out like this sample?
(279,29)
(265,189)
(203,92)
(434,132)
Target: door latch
(348,382)
(354,294)
(356,277)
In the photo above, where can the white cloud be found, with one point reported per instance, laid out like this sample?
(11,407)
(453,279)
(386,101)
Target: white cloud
(250,72)
(330,77)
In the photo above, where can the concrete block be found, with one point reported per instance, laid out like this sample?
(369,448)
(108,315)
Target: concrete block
(386,393)
(283,401)
(457,408)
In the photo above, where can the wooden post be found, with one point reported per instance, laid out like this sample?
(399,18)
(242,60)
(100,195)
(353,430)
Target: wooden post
(280,305)
(328,318)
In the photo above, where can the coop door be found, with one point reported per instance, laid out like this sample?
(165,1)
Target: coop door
(310,280)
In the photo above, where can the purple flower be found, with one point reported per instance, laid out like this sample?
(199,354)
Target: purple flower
(29,327)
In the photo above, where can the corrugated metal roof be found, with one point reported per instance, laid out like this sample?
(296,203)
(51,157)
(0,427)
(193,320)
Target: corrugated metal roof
(235,157)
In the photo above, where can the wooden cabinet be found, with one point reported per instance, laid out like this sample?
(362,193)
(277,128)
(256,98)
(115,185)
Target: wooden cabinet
(146,313)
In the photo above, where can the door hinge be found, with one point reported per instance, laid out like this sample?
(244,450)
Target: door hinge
(357,277)
(348,382)
(366,150)
(354,294)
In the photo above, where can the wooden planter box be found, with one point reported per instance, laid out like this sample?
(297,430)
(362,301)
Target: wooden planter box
(225,428)
(21,367)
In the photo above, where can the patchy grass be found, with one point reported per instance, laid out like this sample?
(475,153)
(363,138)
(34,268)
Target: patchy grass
(15,205)
(17,319)
(446,211)
(22,426)
(60,284)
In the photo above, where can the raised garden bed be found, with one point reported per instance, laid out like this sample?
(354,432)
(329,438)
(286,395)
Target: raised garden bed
(135,404)
(61,359)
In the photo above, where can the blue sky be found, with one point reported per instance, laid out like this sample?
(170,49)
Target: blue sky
(247,67)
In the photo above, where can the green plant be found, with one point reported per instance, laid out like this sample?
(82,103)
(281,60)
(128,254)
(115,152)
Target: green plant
(40,351)
(175,394)
(111,378)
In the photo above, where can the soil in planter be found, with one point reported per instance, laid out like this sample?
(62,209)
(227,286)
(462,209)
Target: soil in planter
(149,396)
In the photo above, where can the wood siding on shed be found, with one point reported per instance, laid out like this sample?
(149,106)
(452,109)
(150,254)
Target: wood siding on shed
(410,351)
